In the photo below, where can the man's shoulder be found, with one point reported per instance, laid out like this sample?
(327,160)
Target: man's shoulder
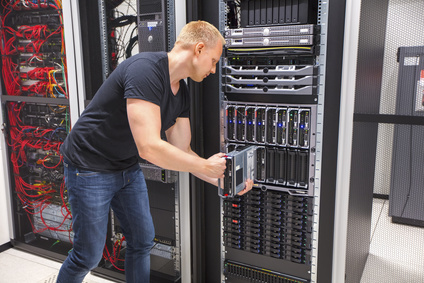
(148,57)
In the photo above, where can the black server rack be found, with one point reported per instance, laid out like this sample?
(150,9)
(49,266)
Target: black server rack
(36,106)
(165,256)
(155,26)
(269,98)
(35,103)
(274,94)
(406,193)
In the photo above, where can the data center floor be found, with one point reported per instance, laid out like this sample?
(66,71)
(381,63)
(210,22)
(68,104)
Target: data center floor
(396,255)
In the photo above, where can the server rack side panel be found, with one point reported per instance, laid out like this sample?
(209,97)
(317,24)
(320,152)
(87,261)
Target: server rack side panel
(331,86)
(6,212)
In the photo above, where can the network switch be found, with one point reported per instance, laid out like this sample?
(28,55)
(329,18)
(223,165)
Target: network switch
(275,90)
(270,80)
(270,31)
(295,40)
(271,70)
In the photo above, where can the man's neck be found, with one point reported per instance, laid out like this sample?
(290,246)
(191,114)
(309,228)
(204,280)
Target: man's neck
(179,64)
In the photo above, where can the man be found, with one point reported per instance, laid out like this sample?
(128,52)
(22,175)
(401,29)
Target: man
(146,95)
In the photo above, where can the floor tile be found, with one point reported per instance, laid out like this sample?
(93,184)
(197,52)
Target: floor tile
(398,242)
(15,269)
(18,266)
(377,209)
(381,270)
(396,256)
(396,251)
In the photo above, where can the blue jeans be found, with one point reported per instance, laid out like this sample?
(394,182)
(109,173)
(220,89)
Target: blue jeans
(91,195)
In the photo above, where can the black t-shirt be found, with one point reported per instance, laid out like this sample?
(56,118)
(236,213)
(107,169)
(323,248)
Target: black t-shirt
(101,140)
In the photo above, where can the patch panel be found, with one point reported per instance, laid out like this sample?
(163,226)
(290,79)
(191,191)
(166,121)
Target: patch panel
(54,221)
(35,17)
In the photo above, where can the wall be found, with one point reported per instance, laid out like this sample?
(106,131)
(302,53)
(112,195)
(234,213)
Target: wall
(404,28)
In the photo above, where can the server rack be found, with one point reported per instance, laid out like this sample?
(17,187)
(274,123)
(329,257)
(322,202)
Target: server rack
(406,195)
(270,79)
(36,99)
(156,23)
(237,261)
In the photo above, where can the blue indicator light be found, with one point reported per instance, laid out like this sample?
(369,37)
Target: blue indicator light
(259,123)
(280,125)
(302,126)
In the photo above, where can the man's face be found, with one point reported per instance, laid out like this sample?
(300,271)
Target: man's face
(206,61)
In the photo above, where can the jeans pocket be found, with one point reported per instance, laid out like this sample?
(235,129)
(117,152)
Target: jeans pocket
(66,171)
(86,173)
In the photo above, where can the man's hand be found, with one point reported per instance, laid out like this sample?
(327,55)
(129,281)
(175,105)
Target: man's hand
(247,188)
(215,166)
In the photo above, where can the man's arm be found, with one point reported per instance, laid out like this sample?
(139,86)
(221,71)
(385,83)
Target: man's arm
(145,123)
(180,136)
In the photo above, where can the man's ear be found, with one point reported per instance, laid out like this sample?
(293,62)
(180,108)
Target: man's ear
(199,48)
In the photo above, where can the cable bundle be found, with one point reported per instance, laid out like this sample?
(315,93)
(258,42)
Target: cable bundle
(32,40)
(37,164)
(114,258)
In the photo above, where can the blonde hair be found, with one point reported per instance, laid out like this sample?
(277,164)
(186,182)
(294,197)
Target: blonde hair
(199,31)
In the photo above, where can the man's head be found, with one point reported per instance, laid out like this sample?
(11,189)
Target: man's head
(205,42)
(199,31)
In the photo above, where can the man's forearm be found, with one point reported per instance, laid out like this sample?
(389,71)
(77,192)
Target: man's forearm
(170,157)
(213,181)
